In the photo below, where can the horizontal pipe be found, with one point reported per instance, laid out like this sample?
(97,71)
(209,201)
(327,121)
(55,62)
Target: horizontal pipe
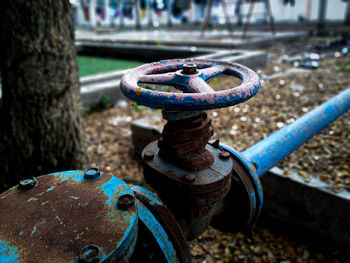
(274,148)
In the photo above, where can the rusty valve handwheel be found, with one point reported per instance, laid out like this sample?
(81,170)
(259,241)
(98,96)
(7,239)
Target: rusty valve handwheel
(189,76)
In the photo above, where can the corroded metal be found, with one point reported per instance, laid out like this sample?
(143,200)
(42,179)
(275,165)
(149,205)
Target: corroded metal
(242,205)
(63,213)
(193,202)
(224,155)
(27,183)
(198,95)
(158,232)
(183,142)
(126,201)
(257,195)
(90,254)
(166,219)
(189,69)
(92,173)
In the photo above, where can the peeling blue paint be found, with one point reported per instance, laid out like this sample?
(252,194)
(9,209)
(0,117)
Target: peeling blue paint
(114,187)
(201,96)
(50,189)
(35,228)
(152,196)
(257,196)
(8,254)
(158,232)
(32,199)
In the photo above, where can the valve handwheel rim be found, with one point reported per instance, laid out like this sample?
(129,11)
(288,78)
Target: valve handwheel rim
(198,95)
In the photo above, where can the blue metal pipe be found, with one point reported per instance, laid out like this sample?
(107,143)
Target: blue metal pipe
(273,149)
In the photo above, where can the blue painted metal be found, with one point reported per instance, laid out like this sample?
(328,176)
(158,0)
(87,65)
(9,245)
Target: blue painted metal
(257,195)
(8,254)
(164,216)
(270,151)
(72,210)
(198,94)
(92,173)
(152,196)
(91,253)
(158,232)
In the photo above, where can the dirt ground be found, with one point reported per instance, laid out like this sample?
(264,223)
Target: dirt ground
(289,90)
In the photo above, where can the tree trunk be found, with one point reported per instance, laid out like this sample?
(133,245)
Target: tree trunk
(42,128)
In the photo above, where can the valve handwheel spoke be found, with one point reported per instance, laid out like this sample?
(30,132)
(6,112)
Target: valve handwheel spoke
(189,76)
(198,85)
(164,78)
(212,71)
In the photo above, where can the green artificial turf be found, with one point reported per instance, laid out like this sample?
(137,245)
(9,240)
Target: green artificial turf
(89,65)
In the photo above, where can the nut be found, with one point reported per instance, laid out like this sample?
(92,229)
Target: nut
(27,183)
(148,155)
(90,254)
(224,155)
(92,173)
(126,201)
(189,177)
(189,69)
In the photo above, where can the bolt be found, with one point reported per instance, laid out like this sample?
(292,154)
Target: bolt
(148,155)
(216,143)
(90,254)
(126,201)
(224,155)
(92,173)
(189,69)
(189,177)
(27,183)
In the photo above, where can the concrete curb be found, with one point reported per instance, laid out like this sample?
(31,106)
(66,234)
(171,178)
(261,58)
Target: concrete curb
(262,39)
(308,206)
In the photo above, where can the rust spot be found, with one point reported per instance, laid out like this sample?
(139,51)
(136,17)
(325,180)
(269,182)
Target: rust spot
(74,214)
(138,91)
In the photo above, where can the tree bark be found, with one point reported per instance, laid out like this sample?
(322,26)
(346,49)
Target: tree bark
(42,128)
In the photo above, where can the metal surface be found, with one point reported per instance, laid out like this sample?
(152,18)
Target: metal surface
(90,254)
(258,194)
(27,183)
(126,201)
(166,219)
(189,69)
(158,233)
(198,95)
(270,151)
(183,142)
(92,173)
(242,205)
(193,201)
(64,212)
(179,115)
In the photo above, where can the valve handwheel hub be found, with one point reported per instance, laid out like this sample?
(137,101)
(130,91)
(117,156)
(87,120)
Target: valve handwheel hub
(189,76)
